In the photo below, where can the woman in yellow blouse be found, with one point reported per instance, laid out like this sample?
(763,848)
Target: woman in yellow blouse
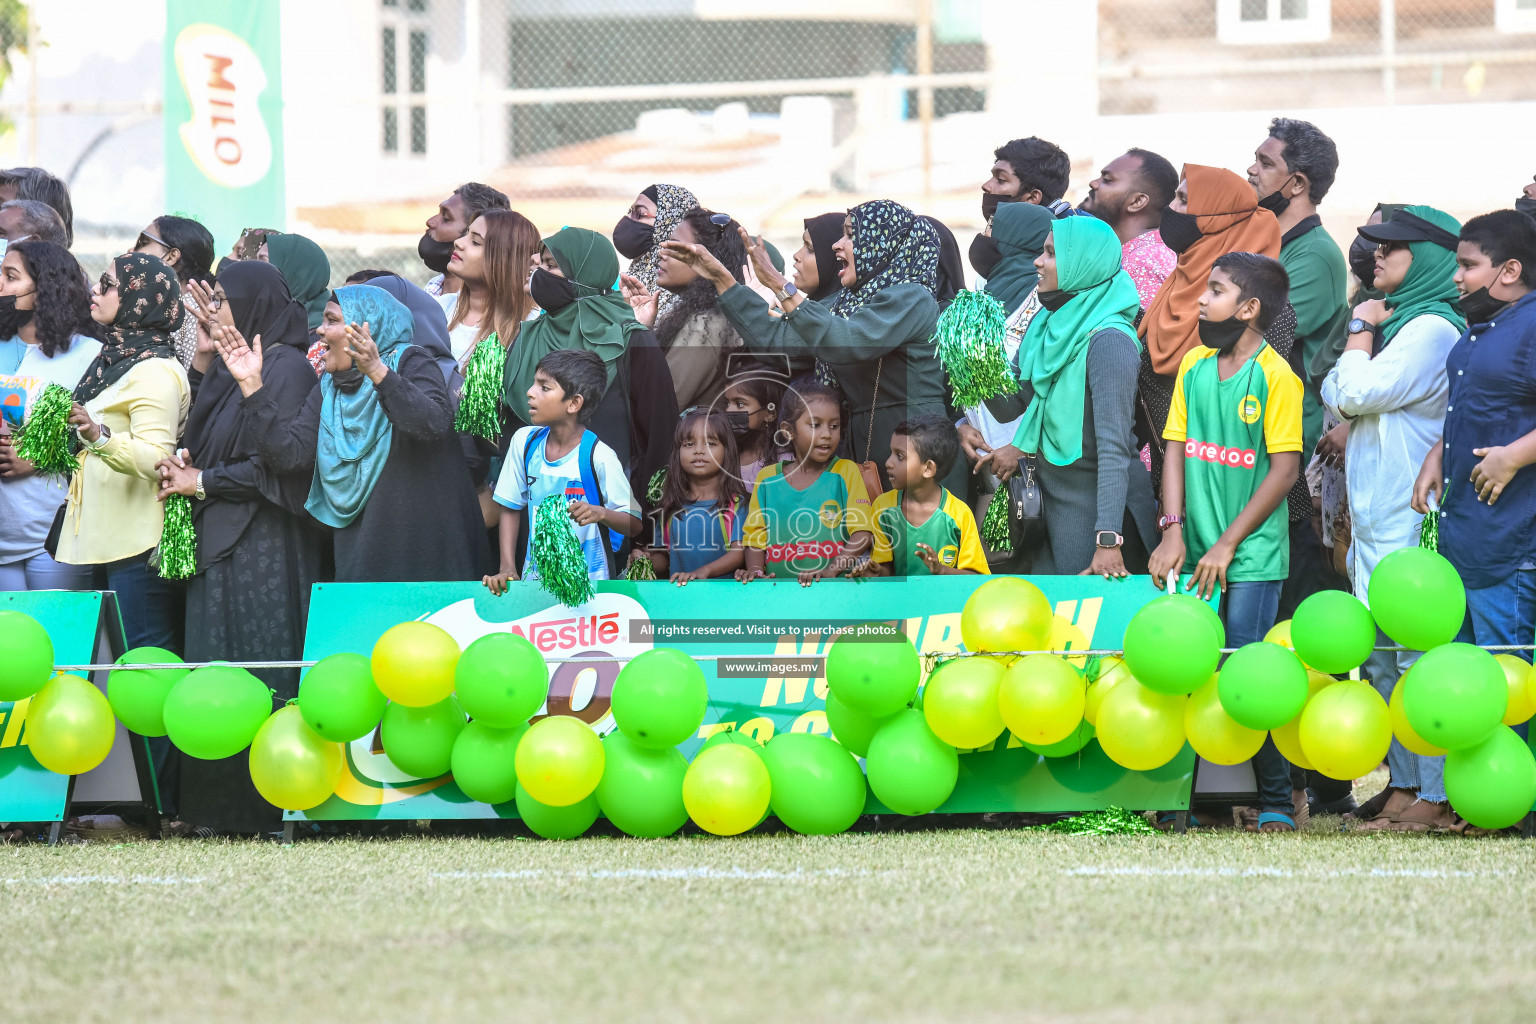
(130,408)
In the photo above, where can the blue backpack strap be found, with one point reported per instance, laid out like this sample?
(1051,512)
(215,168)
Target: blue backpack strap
(586,459)
(535,440)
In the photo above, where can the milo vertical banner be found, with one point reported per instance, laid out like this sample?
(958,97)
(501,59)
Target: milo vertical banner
(224,115)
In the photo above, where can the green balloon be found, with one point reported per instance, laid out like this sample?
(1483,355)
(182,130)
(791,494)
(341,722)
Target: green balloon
(138,697)
(419,741)
(26,656)
(1455,695)
(1492,784)
(851,727)
(873,672)
(1417,598)
(483,762)
(1263,686)
(818,789)
(1170,646)
(338,698)
(1214,619)
(556,822)
(659,698)
(1067,747)
(1333,632)
(213,712)
(910,769)
(641,791)
(501,680)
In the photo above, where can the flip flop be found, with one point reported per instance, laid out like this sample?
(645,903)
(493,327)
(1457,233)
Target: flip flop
(1275,818)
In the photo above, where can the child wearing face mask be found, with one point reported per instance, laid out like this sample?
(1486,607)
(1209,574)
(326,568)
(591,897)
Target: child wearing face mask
(751,406)
(1235,422)
(809,517)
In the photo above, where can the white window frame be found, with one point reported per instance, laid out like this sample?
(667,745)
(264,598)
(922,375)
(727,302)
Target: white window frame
(405,22)
(1316,27)
(1507,17)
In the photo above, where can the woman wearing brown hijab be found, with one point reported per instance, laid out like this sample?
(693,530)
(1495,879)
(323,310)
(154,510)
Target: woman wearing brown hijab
(1214,212)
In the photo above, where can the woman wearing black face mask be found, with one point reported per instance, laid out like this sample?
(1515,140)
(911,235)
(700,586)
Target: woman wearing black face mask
(49,338)
(650,221)
(572,282)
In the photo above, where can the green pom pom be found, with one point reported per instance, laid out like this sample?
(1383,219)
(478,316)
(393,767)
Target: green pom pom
(640,570)
(480,399)
(994,525)
(1114,821)
(178,540)
(1429,533)
(557,553)
(43,439)
(653,489)
(969,339)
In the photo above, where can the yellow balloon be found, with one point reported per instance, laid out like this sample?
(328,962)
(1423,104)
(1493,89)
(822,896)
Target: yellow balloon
(293,766)
(1403,730)
(559,761)
(1141,729)
(1346,730)
(726,789)
(1065,636)
(960,702)
(69,725)
(1287,738)
(1288,741)
(1214,734)
(1006,614)
(1522,697)
(1280,633)
(413,664)
(1112,671)
(1041,699)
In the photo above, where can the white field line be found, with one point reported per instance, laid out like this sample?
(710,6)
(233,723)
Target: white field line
(663,873)
(1263,872)
(106,880)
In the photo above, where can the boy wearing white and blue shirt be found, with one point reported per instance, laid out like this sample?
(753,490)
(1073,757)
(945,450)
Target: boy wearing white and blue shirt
(559,455)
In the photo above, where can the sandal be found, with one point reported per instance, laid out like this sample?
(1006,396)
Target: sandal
(1281,821)
(186,830)
(1371,808)
(1423,816)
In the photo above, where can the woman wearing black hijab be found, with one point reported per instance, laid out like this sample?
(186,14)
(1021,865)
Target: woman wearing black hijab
(951,280)
(815,262)
(257,555)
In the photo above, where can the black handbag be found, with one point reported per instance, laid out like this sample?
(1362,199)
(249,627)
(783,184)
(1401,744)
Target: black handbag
(51,542)
(1026,507)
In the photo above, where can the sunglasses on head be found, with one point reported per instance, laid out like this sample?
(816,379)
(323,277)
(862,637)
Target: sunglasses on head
(146,237)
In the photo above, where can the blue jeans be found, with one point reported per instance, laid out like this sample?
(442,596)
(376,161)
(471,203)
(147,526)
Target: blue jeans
(153,608)
(1248,610)
(1504,613)
(1409,770)
(41,572)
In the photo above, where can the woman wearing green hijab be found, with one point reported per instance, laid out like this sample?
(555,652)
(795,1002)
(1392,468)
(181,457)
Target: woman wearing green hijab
(1395,403)
(573,283)
(1077,368)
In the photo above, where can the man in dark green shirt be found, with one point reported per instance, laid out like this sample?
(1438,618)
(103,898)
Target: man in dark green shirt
(1292,171)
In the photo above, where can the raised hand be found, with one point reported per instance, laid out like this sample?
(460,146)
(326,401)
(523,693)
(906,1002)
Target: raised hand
(762,265)
(242,358)
(701,260)
(364,353)
(641,299)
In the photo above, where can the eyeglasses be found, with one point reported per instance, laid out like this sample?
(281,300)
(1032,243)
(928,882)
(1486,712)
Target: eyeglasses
(107,283)
(720,221)
(146,237)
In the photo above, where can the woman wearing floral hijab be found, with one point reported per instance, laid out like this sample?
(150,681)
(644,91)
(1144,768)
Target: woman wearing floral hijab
(875,334)
(129,410)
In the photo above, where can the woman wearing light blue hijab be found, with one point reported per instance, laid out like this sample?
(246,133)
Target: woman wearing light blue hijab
(388,473)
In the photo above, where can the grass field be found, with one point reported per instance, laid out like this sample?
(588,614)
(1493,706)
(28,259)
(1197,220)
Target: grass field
(897,926)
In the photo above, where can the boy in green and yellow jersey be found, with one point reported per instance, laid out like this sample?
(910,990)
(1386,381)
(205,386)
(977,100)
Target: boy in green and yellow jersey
(921,529)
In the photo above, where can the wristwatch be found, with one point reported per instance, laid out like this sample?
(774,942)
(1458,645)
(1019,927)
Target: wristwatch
(200,494)
(789,291)
(1359,326)
(101,438)
(1166,521)
(1108,539)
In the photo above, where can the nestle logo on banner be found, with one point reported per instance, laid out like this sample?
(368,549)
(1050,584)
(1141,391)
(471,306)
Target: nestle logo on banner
(223,78)
(1247,458)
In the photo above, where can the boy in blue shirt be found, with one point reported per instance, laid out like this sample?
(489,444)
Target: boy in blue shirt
(559,455)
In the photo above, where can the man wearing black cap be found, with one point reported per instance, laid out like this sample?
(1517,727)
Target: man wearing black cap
(1484,470)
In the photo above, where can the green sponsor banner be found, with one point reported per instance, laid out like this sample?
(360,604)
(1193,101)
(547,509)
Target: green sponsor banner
(28,791)
(224,115)
(726,619)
